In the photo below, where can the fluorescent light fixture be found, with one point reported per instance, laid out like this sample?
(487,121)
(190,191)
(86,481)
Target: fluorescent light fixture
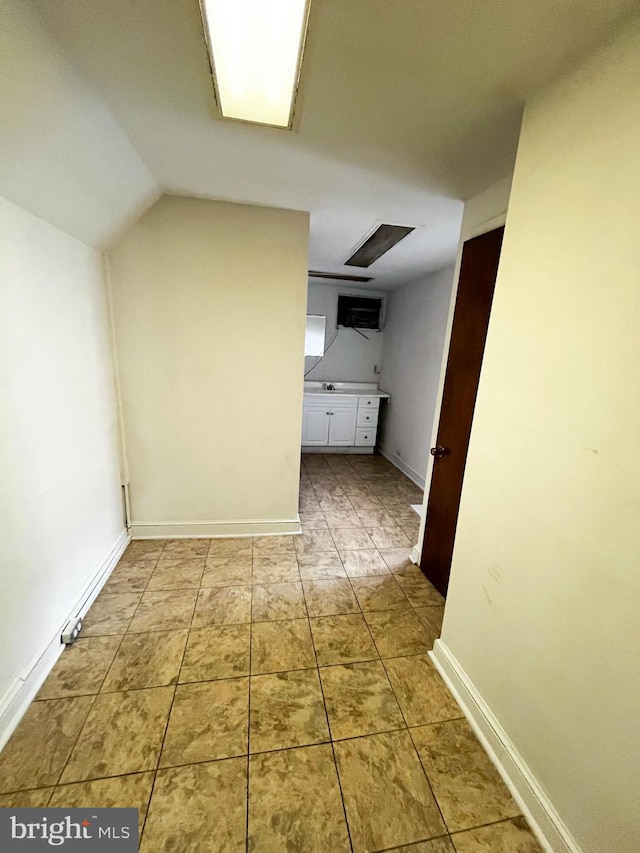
(255,49)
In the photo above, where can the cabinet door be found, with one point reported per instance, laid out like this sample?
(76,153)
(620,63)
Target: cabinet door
(342,427)
(315,427)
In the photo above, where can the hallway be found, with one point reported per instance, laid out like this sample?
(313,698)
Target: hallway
(270,694)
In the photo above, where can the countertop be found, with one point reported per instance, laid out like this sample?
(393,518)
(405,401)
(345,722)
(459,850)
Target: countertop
(345,389)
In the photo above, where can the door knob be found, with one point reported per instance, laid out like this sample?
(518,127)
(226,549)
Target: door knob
(439,451)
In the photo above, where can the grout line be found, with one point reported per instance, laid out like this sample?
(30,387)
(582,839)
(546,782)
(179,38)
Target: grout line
(248,801)
(326,712)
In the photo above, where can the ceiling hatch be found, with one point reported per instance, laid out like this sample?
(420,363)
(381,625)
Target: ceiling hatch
(383,238)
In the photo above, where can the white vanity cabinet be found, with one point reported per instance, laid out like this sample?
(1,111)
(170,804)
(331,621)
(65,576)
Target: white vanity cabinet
(326,423)
(341,419)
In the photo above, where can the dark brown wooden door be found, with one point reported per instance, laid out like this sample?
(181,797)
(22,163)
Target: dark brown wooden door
(477,279)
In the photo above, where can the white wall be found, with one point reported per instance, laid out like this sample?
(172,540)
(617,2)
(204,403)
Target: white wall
(542,612)
(60,503)
(412,354)
(351,358)
(209,306)
(63,156)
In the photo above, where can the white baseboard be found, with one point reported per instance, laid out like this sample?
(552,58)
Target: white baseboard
(395,460)
(362,451)
(544,820)
(214,529)
(26,684)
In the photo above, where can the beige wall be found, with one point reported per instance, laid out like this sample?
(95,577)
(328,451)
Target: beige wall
(209,313)
(542,613)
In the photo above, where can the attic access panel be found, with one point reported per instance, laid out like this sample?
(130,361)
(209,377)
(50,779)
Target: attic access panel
(383,238)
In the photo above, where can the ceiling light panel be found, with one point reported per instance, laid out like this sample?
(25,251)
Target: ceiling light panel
(255,49)
(383,238)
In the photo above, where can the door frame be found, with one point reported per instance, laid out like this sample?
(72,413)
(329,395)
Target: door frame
(476,230)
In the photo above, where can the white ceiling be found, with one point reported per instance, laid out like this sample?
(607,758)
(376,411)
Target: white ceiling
(405,107)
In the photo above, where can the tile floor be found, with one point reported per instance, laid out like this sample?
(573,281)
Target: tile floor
(272,694)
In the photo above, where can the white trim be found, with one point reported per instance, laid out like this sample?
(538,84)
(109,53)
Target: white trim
(26,684)
(330,449)
(213,529)
(395,460)
(546,823)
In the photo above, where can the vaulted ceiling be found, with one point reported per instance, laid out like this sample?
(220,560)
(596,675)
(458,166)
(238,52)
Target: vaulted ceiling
(406,107)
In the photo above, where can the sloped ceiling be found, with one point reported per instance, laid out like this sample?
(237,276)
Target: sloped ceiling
(405,108)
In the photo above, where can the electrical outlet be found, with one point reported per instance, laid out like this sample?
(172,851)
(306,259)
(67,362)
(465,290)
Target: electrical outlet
(71,631)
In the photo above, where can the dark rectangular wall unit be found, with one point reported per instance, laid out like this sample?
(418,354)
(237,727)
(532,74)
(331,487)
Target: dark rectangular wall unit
(359,312)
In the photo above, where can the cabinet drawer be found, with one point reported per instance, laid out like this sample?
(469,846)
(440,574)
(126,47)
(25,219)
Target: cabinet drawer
(368,403)
(368,417)
(365,436)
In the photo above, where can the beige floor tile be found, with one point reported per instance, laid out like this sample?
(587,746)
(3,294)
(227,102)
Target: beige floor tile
(436,845)
(275,568)
(335,503)
(36,799)
(287,710)
(344,519)
(37,751)
(388,537)
(202,807)
(314,541)
(222,605)
(313,520)
(122,734)
(281,646)
(241,546)
(221,651)
(110,613)
(177,573)
(421,692)
(352,539)
(431,618)
(342,639)
(309,505)
(130,577)
(397,559)
(143,549)
(419,591)
(185,548)
(359,564)
(322,566)
(376,518)
(119,792)
(364,501)
(467,786)
(146,660)
(378,593)
(397,632)
(277,601)
(81,668)
(164,611)
(227,571)
(330,597)
(327,488)
(386,795)
(359,700)
(511,836)
(294,802)
(411,530)
(209,720)
(265,545)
